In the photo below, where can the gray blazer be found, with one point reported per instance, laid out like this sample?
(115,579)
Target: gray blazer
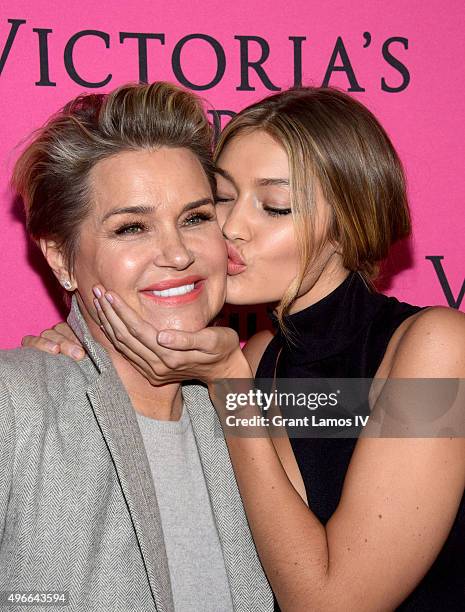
(78,509)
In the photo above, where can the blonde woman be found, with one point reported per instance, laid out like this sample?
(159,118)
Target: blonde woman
(310,197)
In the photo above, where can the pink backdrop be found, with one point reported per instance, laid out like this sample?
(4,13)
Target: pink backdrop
(425,118)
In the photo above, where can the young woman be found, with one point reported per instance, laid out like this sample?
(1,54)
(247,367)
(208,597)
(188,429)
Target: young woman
(311,195)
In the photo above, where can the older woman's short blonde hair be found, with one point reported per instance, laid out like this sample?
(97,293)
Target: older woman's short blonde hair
(52,173)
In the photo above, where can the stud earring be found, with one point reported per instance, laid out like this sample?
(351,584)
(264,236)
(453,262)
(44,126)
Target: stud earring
(67,284)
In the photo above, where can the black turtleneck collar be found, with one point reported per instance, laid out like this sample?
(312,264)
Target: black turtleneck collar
(329,325)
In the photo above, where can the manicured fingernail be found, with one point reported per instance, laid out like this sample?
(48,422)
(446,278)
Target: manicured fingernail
(77,353)
(165,337)
(109,298)
(97,292)
(51,346)
(97,304)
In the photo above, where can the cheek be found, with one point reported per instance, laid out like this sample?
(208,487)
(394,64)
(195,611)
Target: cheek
(112,266)
(278,247)
(212,260)
(215,261)
(274,266)
(210,250)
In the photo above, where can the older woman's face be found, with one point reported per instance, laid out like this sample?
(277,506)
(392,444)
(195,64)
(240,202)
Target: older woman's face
(152,237)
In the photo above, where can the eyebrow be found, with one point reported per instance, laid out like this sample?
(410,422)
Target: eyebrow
(147,210)
(263,182)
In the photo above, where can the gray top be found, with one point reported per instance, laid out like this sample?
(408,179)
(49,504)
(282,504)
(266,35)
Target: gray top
(195,559)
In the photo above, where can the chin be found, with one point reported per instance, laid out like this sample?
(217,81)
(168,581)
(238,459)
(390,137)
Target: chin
(192,322)
(242,297)
(244,300)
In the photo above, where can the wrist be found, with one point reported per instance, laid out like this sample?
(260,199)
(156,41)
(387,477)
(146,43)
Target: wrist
(237,366)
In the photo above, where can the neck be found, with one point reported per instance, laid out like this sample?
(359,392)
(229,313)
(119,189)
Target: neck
(163,402)
(330,277)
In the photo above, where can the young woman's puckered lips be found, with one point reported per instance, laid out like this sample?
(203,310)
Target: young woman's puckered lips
(236,264)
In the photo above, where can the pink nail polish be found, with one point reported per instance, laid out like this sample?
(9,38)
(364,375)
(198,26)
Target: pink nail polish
(109,298)
(97,292)
(97,304)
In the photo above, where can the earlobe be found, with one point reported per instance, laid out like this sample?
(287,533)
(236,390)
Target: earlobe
(54,256)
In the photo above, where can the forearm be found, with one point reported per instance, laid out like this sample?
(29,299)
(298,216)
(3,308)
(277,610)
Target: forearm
(290,540)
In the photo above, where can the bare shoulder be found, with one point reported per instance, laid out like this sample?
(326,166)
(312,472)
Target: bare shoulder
(432,345)
(255,348)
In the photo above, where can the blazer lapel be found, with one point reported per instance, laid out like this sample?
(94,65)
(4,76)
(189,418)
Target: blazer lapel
(117,421)
(249,587)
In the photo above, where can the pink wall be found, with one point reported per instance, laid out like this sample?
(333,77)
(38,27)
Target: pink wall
(425,119)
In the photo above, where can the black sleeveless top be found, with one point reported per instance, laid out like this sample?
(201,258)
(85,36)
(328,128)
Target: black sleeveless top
(345,335)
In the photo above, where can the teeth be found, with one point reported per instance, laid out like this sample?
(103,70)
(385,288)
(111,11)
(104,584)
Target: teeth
(174,291)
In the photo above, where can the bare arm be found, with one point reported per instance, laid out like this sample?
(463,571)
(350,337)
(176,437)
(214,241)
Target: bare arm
(398,503)
(255,347)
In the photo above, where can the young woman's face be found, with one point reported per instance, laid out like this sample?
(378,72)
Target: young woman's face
(152,236)
(254,212)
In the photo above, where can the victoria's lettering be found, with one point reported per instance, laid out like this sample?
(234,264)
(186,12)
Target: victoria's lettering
(254,55)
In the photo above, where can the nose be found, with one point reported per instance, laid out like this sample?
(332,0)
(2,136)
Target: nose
(234,219)
(172,252)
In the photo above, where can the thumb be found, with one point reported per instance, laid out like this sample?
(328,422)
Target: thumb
(211,340)
(178,340)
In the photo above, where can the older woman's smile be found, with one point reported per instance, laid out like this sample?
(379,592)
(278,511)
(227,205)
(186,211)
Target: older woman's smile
(175,291)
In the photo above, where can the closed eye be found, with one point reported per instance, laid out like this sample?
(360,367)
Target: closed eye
(276,212)
(219,200)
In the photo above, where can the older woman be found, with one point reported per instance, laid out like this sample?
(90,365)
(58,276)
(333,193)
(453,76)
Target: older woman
(114,490)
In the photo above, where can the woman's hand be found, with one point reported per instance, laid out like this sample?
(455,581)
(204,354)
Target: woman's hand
(58,339)
(170,355)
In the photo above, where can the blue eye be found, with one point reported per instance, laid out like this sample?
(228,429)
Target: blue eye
(198,218)
(130,228)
